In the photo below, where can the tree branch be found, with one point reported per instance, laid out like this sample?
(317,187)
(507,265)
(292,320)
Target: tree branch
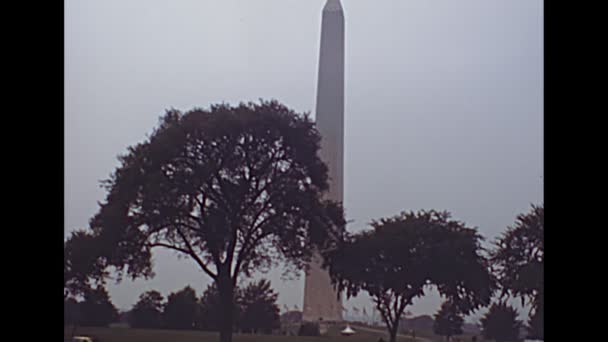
(196,257)
(385,316)
(244,253)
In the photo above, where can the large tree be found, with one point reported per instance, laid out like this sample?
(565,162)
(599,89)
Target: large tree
(259,310)
(403,256)
(518,259)
(181,311)
(234,188)
(148,311)
(448,322)
(500,324)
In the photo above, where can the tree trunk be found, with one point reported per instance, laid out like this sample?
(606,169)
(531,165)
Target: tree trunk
(393,333)
(226,292)
(393,336)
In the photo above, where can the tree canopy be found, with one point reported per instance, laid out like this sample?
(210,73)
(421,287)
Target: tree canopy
(518,260)
(147,312)
(82,266)
(97,310)
(519,256)
(448,322)
(236,189)
(403,256)
(259,310)
(181,310)
(501,324)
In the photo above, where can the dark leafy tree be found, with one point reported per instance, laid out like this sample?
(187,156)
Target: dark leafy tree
(148,311)
(501,324)
(236,189)
(97,310)
(259,309)
(181,310)
(448,322)
(518,260)
(403,256)
(82,266)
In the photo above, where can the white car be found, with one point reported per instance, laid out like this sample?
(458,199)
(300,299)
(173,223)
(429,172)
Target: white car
(82,339)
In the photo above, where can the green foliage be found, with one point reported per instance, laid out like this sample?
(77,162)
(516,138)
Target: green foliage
(147,312)
(181,310)
(519,262)
(309,329)
(255,310)
(501,324)
(519,256)
(97,310)
(447,321)
(232,185)
(259,311)
(237,189)
(402,256)
(82,265)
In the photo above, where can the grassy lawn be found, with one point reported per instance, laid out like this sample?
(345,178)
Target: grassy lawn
(138,335)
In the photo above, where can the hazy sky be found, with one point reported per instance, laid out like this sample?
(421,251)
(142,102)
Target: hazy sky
(444,102)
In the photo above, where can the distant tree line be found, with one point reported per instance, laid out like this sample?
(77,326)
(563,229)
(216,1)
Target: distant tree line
(239,189)
(517,264)
(94,310)
(256,310)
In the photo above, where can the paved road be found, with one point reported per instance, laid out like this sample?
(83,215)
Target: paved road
(421,339)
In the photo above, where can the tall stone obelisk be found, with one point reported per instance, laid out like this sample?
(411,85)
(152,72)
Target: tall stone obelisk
(321,302)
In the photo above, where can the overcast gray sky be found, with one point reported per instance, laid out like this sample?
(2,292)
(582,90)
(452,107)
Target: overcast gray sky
(444,102)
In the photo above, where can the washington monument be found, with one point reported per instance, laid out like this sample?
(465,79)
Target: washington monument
(321,302)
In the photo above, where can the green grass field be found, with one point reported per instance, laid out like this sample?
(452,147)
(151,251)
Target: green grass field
(138,335)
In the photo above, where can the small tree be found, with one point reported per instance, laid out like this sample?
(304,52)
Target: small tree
(236,189)
(182,310)
(147,312)
(447,321)
(501,324)
(519,259)
(259,310)
(210,305)
(519,255)
(82,266)
(404,255)
(97,310)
